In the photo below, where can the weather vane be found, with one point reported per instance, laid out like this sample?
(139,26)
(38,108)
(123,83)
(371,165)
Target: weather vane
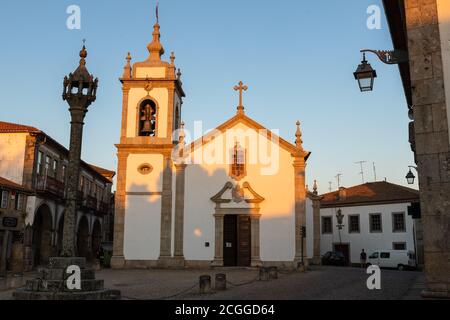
(157,12)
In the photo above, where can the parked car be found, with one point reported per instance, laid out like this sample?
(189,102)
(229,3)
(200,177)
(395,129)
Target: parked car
(397,259)
(334,258)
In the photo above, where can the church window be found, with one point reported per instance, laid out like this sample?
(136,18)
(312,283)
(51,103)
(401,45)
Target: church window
(238,165)
(147,119)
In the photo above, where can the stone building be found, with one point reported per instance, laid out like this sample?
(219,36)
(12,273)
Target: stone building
(422,29)
(31,159)
(214,202)
(13,212)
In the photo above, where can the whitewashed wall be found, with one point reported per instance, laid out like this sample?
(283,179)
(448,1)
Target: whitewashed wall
(309,228)
(12,156)
(366,240)
(142,227)
(143,212)
(277,229)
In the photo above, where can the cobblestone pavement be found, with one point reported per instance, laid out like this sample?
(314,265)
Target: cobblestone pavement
(321,283)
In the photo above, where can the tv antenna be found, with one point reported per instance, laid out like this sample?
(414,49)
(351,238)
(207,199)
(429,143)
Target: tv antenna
(338,177)
(375,172)
(361,163)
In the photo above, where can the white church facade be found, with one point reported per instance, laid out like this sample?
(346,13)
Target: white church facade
(235,197)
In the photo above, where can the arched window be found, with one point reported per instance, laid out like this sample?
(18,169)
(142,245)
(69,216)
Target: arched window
(147,119)
(238,165)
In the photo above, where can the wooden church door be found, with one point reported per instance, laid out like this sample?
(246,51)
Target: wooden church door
(237,241)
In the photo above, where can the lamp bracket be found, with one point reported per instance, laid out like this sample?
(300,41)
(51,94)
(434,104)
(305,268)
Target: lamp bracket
(390,56)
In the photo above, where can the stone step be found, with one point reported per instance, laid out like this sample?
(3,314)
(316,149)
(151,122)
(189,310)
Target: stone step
(63,263)
(39,285)
(71,296)
(60,274)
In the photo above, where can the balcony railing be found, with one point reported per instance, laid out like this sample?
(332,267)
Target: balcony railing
(50,185)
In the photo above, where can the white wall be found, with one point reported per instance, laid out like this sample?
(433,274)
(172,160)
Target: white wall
(366,240)
(444,28)
(204,180)
(309,228)
(142,210)
(12,156)
(142,227)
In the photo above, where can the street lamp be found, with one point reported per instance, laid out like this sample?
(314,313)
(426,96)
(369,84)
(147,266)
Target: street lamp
(410,177)
(340,225)
(365,75)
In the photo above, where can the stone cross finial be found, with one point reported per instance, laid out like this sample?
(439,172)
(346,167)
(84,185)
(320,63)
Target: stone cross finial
(241,88)
(298,135)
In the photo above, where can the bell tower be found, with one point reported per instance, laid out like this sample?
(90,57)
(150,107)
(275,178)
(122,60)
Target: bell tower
(151,113)
(152,97)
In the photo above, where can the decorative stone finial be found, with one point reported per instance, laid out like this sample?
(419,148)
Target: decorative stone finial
(127,69)
(155,48)
(298,135)
(83,55)
(172,58)
(315,188)
(182,134)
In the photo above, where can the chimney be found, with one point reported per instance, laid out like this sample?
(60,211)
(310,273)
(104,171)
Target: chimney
(342,193)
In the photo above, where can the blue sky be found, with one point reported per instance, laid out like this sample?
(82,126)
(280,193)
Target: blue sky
(297,57)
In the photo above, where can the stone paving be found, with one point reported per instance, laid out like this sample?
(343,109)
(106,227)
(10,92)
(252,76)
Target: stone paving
(321,283)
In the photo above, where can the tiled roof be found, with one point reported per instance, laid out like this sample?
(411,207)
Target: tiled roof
(11,185)
(104,172)
(371,193)
(7,127)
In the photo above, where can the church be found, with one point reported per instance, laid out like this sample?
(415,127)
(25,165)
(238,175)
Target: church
(236,197)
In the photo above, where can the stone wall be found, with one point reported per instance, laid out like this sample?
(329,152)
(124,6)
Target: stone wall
(432,140)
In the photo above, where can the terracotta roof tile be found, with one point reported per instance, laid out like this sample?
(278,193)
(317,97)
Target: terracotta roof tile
(7,127)
(11,185)
(369,193)
(104,172)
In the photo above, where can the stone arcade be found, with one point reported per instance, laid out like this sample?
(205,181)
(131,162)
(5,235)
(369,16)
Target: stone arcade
(235,197)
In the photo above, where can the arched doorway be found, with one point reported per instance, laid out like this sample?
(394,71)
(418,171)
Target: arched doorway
(42,235)
(96,237)
(83,238)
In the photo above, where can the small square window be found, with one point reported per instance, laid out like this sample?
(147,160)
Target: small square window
(399,246)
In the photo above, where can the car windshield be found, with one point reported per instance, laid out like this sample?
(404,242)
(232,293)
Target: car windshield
(374,256)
